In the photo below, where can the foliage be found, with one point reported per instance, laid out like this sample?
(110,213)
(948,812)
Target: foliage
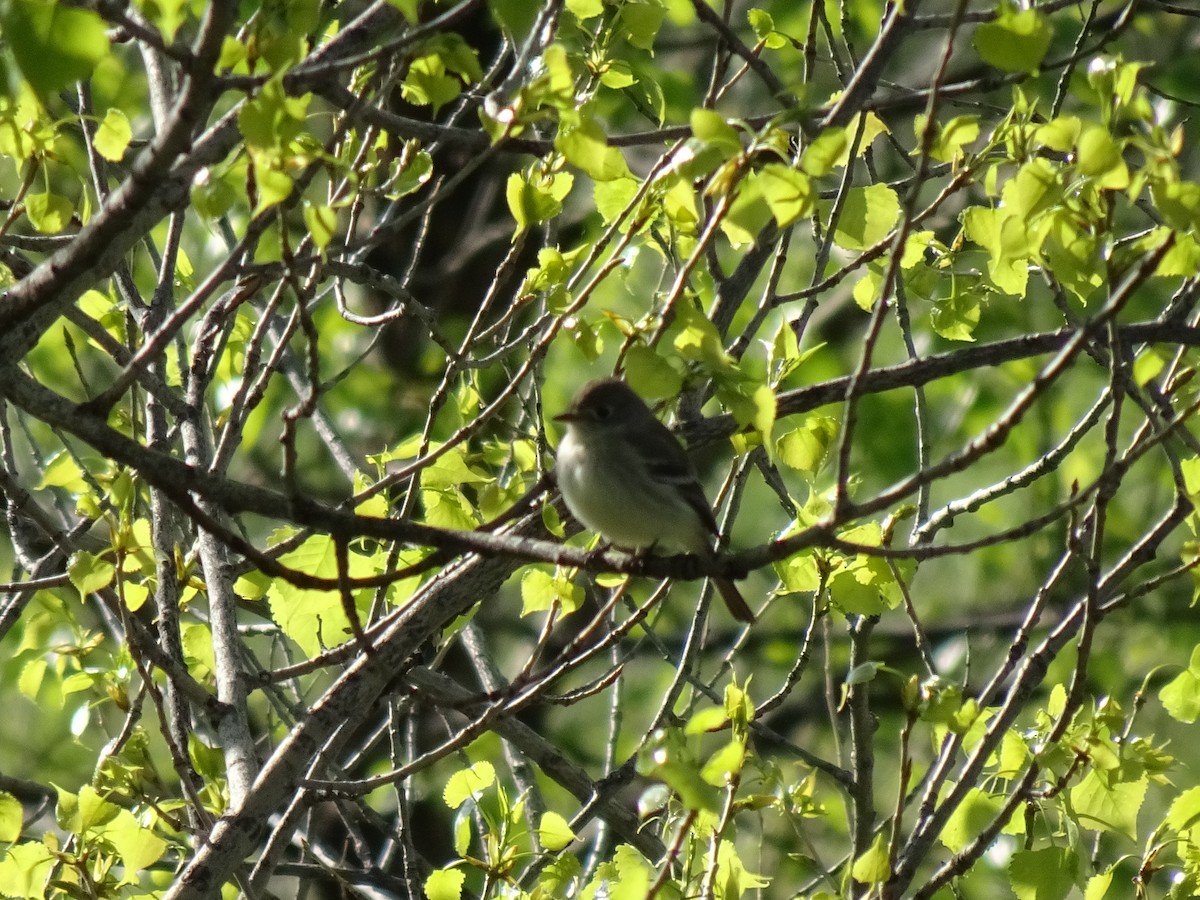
(292,294)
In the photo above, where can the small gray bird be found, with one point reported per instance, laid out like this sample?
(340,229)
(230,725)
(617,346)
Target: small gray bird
(624,475)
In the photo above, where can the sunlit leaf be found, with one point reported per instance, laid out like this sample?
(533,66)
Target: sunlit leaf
(467,783)
(1016,40)
(113,135)
(53,43)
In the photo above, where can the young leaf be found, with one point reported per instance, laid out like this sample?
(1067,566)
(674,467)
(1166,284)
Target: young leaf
(113,135)
(1046,874)
(553,832)
(445,884)
(1015,41)
(54,44)
(466,783)
(872,866)
(90,573)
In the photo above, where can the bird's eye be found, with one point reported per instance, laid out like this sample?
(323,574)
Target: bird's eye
(603,411)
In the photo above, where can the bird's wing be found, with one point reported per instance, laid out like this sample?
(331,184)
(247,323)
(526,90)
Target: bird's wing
(668,463)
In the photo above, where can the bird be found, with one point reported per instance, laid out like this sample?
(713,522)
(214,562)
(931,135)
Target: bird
(624,475)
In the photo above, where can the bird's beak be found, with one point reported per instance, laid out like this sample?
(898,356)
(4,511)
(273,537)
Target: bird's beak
(568,416)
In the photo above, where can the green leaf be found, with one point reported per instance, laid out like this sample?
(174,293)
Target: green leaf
(872,127)
(1074,256)
(1007,241)
(650,374)
(1148,365)
(462,831)
(197,645)
(708,719)
(445,884)
(764,29)
(738,706)
(416,171)
(90,573)
(427,84)
(273,118)
(785,356)
(1034,189)
(626,877)
(1100,157)
(872,866)
(820,157)
(540,591)
(806,448)
(867,289)
(1060,134)
(868,215)
(136,845)
(1180,696)
(559,878)
(956,317)
(668,759)
(274,186)
(213,197)
(1097,885)
(64,472)
(113,135)
(863,673)
(864,585)
(1190,469)
(712,129)
(799,573)
(86,811)
(1014,754)
(949,138)
(167,15)
(48,213)
(467,783)
(234,55)
(1182,260)
(1109,801)
(752,405)
(787,192)
(698,339)
(316,619)
(617,74)
(585,9)
(972,816)
(452,469)
(1184,814)
(612,198)
(32,676)
(11,818)
(586,146)
(1178,203)
(1046,874)
(54,44)
(135,594)
(515,17)
(1015,41)
(694,792)
(725,763)
(553,832)
(437,77)
(25,869)
(748,214)
(538,197)
(640,21)
(322,224)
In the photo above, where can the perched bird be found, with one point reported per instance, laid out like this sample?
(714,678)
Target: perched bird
(625,475)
